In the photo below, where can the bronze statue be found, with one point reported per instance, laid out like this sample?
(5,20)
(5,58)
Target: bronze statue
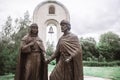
(31,62)
(68,56)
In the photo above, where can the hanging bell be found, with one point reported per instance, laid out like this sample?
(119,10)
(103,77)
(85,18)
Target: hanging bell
(51,30)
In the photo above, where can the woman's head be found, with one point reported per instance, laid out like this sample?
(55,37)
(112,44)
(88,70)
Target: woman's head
(65,25)
(34,29)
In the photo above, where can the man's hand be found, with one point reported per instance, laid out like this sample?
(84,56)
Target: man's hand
(68,59)
(47,61)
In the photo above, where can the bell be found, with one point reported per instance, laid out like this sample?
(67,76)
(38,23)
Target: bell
(50,30)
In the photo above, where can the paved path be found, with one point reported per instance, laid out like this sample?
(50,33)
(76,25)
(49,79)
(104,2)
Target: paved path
(92,78)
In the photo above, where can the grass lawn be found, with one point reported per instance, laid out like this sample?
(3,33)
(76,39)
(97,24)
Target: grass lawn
(104,72)
(7,77)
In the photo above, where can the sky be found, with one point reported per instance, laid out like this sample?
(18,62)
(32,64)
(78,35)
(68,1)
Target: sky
(89,18)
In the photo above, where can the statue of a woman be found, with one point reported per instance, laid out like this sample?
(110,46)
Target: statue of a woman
(31,62)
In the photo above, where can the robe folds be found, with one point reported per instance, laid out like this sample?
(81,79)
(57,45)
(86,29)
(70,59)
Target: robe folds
(31,62)
(68,46)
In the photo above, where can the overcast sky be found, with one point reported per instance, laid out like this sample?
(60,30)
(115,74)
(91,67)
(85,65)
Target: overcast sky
(88,17)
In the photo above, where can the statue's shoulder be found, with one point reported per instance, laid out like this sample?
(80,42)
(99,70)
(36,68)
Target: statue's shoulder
(73,35)
(39,39)
(25,37)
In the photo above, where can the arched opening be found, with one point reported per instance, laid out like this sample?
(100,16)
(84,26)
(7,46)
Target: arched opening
(51,34)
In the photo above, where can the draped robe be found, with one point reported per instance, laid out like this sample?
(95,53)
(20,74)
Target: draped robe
(31,61)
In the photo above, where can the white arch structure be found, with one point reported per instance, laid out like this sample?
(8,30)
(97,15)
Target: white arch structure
(43,18)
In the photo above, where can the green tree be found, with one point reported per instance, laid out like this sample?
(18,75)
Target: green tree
(89,48)
(50,49)
(7,28)
(109,46)
(10,41)
(6,45)
(21,26)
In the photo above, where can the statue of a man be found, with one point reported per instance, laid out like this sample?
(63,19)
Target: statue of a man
(31,62)
(68,55)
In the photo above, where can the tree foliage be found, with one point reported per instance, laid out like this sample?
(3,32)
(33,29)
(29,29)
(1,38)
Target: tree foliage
(109,46)
(107,49)
(12,33)
(89,48)
(50,49)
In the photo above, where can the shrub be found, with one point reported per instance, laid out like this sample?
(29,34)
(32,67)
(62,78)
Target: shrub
(100,64)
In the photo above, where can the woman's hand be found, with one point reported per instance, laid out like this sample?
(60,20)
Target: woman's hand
(31,43)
